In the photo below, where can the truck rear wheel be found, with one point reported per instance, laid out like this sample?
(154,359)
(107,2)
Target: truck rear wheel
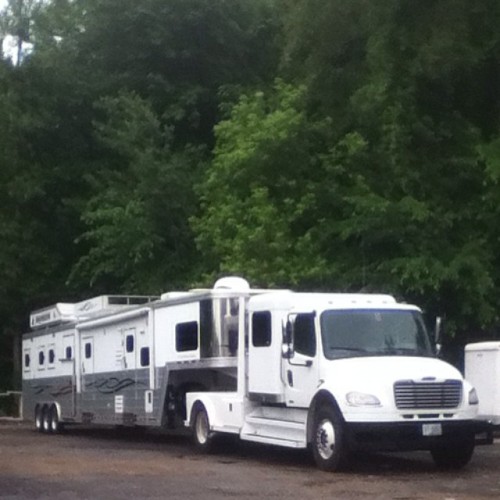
(454,456)
(328,445)
(203,438)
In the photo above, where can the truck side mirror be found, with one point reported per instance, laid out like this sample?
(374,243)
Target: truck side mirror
(288,336)
(437,333)
(287,351)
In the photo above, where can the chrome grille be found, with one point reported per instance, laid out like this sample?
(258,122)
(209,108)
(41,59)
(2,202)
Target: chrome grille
(411,395)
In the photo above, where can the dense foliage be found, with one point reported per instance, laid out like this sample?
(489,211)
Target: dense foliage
(321,145)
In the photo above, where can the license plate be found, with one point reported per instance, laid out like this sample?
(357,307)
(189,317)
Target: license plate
(432,430)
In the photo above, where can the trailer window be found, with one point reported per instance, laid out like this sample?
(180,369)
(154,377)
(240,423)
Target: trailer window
(27,360)
(69,352)
(88,350)
(129,341)
(145,356)
(261,329)
(186,336)
(52,356)
(41,358)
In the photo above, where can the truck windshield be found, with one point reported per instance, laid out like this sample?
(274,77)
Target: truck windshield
(351,333)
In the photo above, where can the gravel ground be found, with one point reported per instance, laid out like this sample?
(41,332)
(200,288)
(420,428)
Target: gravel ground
(106,463)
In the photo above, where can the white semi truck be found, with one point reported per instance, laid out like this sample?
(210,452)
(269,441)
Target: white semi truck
(330,371)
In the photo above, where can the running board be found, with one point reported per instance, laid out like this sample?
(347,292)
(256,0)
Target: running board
(273,431)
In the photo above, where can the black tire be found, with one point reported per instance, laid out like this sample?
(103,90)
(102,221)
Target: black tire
(45,419)
(328,444)
(38,418)
(202,436)
(454,455)
(55,425)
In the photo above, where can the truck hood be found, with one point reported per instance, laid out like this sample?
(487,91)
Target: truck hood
(376,376)
(367,373)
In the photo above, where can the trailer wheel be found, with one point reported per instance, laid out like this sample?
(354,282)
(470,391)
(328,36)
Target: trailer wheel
(454,456)
(45,419)
(38,418)
(55,424)
(203,438)
(328,445)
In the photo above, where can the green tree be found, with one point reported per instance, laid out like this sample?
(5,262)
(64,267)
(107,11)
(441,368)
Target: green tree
(396,188)
(258,205)
(137,232)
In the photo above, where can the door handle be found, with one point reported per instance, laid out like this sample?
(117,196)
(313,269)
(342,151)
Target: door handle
(289,376)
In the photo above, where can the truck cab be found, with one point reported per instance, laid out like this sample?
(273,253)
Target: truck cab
(340,372)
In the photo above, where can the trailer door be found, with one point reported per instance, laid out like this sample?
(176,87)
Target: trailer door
(129,344)
(88,355)
(68,365)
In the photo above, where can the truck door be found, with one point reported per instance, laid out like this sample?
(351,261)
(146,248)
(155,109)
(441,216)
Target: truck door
(300,363)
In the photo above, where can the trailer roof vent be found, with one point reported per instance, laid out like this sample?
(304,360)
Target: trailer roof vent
(232,283)
(58,313)
(175,295)
(102,303)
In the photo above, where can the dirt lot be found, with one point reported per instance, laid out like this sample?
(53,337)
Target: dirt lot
(108,464)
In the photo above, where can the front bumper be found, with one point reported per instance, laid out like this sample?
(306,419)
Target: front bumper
(404,436)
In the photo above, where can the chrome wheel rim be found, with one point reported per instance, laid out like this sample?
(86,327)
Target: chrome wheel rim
(325,439)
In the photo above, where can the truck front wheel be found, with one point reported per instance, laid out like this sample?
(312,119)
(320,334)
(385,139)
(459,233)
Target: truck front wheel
(454,455)
(328,445)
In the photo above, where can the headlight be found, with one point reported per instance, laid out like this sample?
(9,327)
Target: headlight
(473,399)
(362,399)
